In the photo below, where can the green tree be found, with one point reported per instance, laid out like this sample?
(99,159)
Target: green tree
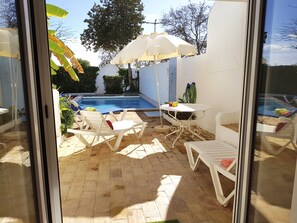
(63,32)
(112,24)
(189,23)
(8,16)
(84,63)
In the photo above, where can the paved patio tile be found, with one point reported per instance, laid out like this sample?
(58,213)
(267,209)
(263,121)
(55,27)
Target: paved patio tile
(146,180)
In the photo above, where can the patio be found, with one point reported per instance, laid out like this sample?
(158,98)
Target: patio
(145,181)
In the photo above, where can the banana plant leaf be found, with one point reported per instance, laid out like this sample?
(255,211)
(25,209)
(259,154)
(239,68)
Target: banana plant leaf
(54,67)
(66,65)
(53,10)
(59,49)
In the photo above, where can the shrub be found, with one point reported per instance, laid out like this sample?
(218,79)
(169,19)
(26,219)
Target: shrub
(66,114)
(134,84)
(86,83)
(113,84)
(124,73)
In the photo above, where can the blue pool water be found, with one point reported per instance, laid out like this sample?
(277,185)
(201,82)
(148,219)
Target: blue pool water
(266,106)
(114,103)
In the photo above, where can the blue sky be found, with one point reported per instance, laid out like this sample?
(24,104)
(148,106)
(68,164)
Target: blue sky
(153,9)
(279,13)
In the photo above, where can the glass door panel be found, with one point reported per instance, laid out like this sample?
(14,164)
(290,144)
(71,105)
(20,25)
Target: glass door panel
(274,165)
(16,187)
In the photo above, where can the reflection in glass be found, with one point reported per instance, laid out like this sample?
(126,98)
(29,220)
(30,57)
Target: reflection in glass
(16,189)
(275,149)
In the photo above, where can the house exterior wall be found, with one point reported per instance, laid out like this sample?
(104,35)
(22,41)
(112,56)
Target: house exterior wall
(147,81)
(218,73)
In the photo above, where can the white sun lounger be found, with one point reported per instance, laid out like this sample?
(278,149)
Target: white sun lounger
(215,153)
(95,124)
(286,131)
(212,153)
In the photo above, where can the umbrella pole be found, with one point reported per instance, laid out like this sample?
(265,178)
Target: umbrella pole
(11,71)
(16,93)
(158,90)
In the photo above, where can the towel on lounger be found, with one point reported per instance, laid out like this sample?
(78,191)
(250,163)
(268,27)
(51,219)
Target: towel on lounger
(226,162)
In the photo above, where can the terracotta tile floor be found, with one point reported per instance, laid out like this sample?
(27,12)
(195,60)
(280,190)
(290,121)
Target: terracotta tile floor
(144,181)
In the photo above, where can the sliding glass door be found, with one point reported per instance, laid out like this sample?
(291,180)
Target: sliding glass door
(274,164)
(17,190)
(267,184)
(29,191)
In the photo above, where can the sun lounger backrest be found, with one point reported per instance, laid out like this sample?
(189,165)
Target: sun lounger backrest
(95,120)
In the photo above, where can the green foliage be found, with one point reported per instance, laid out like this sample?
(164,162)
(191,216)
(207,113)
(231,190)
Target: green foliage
(66,114)
(84,63)
(190,94)
(8,15)
(278,80)
(112,24)
(59,49)
(124,73)
(113,84)
(134,83)
(189,23)
(53,10)
(87,83)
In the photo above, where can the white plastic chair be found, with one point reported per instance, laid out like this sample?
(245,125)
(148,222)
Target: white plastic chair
(95,124)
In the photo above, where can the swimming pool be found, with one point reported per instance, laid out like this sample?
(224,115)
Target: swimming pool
(106,104)
(267,105)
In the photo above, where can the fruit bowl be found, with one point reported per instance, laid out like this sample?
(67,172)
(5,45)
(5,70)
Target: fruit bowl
(173,104)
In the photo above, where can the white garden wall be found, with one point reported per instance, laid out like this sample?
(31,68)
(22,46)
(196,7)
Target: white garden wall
(218,73)
(147,81)
(56,103)
(109,70)
(8,67)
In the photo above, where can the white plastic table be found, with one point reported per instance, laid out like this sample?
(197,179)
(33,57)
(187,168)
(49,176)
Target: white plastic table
(3,111)
(182,125)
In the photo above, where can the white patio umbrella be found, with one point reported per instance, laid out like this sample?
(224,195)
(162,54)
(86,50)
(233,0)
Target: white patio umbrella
(153,47)
(9,47)
(9,43)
